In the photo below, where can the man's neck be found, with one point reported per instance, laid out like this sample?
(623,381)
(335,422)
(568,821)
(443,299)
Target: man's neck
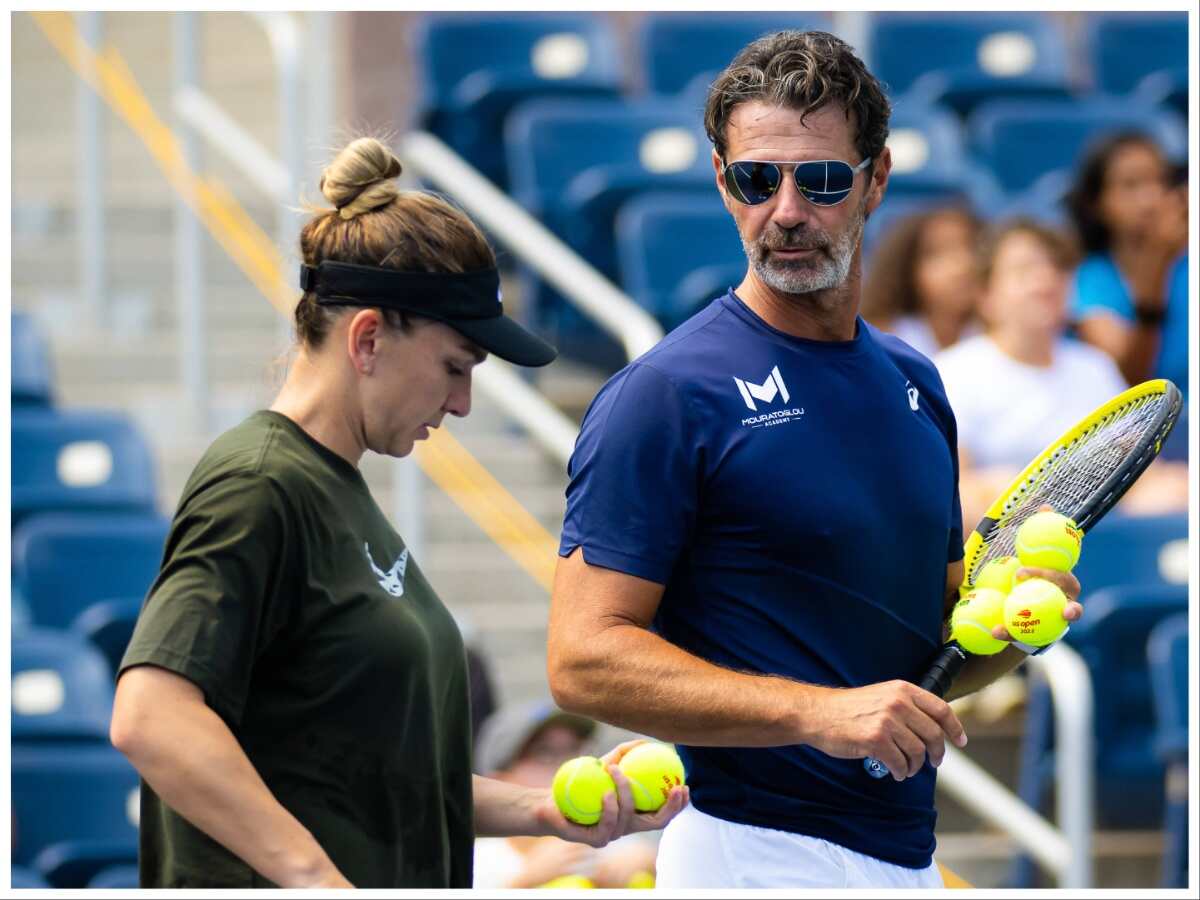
(829,315)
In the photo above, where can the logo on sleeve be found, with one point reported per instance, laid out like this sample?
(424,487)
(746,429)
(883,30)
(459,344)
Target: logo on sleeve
(913,395)
(392,580)
(766,393)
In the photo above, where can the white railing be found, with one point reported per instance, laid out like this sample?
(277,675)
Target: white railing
(1065,851)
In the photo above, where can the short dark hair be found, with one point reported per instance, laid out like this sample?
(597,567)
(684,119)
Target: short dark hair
(1083,198)
(804,70)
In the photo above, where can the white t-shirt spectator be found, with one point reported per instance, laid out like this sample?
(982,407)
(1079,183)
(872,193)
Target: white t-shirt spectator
(1009,411)
(915,332)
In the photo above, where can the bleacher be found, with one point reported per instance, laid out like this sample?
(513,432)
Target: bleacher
(609,152)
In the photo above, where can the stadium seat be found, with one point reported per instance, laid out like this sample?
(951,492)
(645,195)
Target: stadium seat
(1166,89)
(27,878)
(61,688)
(65,562)
(108,625)
(1126,47)
(1167,653)
(677,252)
(81,461)
(1000,46)
(1149,550)
(929,158)
(32,379)
(574,164)
(116,878)
(71,793)
(1021,141)
(474,68)
(676,47)
(78,863)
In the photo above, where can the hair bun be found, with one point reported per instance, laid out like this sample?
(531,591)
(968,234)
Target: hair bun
(360,178)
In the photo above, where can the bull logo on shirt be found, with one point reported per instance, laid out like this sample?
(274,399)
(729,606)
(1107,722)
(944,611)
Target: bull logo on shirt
(392,580)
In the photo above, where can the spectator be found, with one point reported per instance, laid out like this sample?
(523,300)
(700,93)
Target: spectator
(524,744)
(922,285)
(1021,383)
(1130,294)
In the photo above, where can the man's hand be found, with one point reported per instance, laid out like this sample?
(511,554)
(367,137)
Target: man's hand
(1067,582)
(619,817)
(895,722)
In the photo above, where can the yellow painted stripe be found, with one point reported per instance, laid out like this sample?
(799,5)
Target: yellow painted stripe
(447,463)
(952,880)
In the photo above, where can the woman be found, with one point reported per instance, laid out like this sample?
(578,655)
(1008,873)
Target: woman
(1129,296)
(1021,383)
(295,694)
(922,285)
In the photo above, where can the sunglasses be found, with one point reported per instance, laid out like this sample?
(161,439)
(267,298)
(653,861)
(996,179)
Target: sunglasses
(824,182)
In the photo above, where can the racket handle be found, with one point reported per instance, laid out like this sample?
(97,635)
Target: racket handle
(937,681)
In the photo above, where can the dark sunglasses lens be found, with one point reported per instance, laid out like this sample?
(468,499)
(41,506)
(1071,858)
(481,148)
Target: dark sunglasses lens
(754,182)
(825,183)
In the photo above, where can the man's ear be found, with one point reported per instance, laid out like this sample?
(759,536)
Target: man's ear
(362,339)
(881,171)
(718,168)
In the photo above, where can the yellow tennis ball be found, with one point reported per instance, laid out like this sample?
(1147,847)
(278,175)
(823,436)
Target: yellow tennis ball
(653,769)
(1033,612)
(973,618)
(579,788)
(641,879)
(999,574)
(574,882)
(1049,541)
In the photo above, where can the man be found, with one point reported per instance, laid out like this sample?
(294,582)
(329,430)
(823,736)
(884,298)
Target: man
(763,535)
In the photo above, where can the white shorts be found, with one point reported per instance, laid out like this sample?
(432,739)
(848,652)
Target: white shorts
(701,851)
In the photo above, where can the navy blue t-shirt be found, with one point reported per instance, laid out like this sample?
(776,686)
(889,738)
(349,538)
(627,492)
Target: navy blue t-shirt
(799,501)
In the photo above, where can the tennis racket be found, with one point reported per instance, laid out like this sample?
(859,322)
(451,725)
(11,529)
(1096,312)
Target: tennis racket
(1081,475)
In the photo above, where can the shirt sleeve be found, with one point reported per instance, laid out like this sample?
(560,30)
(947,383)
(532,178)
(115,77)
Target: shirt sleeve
(1097,288)
(633,491)
(215,604)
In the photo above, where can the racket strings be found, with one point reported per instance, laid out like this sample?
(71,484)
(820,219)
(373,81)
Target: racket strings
(1069,478)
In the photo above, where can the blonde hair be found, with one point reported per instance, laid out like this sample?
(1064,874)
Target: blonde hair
(374,223)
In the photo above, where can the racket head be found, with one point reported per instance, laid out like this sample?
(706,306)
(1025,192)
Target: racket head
(1083,473)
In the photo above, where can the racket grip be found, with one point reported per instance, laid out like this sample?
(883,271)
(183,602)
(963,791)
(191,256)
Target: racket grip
(937,681)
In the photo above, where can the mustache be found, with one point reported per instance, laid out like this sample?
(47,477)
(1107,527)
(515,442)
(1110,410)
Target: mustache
(784,241)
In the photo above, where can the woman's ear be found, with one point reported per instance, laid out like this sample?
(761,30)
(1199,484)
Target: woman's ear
(362,340)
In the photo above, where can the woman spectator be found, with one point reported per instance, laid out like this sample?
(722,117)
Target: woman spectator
(922,285)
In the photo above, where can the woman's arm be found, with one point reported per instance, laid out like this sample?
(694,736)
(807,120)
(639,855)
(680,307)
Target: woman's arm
(191,759)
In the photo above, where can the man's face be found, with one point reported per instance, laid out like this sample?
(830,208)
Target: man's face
(794,246)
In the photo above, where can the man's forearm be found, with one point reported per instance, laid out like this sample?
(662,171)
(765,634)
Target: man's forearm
(504,810)
(980,671)
(635,679)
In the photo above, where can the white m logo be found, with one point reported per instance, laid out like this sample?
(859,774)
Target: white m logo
(765,392)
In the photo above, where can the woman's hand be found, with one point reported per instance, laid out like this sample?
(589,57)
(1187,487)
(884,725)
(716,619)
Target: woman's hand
(619,816)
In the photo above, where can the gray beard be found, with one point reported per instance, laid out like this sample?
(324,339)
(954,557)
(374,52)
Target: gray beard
(824,272)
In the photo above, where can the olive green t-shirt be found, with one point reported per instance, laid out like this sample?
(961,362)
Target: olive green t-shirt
(287,597)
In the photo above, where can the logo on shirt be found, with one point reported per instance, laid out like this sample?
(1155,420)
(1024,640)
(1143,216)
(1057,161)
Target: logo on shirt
(913,395)
(766,393)
(392,580)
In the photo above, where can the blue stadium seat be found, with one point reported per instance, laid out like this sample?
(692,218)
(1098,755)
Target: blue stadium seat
(1008,45)
(27,878)
(574,164)
(71,793)
(1126,47)
(677,252)
(1167,653)
(116,878)
(62,688)
(929,158)
(79,863)
(65,562)
(73,460)
(474,68)
(1020,141)
(1166,89)
(676,47)
(1149,550)
(32,377)
(108,625)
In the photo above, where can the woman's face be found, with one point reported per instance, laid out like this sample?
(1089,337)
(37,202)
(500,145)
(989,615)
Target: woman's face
(1133,190)
(417,377)
(1027,290)
(944,274)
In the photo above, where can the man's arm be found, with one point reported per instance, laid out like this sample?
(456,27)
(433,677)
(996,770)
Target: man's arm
(604,662)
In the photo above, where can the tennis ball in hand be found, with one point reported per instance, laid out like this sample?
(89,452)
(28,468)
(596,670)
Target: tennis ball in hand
(1033,612)
(973,618)
(640,879)
(653,769)
(1049,541)
(579,788)
(999,574)
(571,882)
